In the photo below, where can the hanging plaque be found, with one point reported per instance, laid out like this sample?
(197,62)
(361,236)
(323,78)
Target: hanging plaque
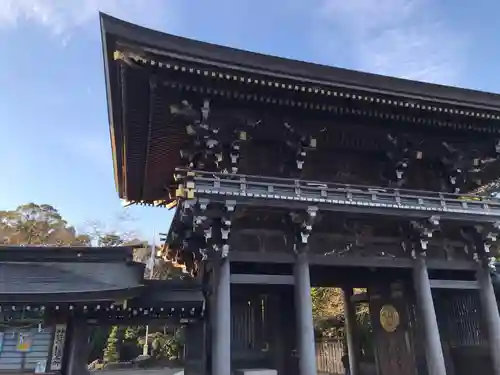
(389,318)
(58,347)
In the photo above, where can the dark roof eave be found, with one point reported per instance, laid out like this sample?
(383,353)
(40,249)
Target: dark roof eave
(115,127)
(296,70)
(73,297)
(65,254)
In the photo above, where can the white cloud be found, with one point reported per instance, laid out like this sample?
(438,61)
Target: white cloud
(403,38)
(61,17)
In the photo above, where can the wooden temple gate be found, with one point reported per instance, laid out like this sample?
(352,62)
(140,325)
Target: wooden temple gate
(283,167)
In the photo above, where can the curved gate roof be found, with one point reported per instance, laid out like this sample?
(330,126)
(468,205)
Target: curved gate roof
(146,146)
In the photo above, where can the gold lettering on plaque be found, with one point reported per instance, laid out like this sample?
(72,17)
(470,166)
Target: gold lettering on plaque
(389,318)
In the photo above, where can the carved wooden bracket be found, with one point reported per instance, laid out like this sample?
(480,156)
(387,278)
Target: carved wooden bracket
(480,240)
(401,152)
(417,235)
(302,226)
(298,144)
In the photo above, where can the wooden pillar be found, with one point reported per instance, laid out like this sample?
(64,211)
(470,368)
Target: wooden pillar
(195,348)
(78,348)
(289,333)
(305,326)
(221,339)
(351,332)
(425,304)
(491,316)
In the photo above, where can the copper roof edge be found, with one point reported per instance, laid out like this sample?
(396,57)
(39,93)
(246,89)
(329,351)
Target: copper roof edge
(13,253)
(213,54)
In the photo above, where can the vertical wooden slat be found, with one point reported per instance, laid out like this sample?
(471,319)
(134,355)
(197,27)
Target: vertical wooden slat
(329,356)
(464,339)
(459,318)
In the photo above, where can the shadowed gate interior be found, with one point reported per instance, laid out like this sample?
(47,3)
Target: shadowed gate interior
(392,314)
(464,338)
(263,325)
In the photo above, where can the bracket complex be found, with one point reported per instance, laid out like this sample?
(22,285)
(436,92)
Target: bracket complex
(180,239)
(200,231)
(401,153)
(298,144)
(185,185)
(302,227)
(225,227)
(457,167)
(206,144)
(213,150)
(481,239)
(418,235)
(213,222)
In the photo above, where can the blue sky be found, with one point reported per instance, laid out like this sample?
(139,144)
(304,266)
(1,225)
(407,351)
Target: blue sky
(54,141)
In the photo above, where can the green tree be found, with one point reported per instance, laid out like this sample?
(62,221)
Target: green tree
(110,240)
(327,303)
(113,345)
(132,333)
(33,224)
(166,345)
(130,347)
(328,311)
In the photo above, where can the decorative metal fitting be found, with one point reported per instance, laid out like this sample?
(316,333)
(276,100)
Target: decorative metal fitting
(203,202)
(205,110)
(230,205)
(225,233)
(208,233)
(225,251)
(305,237)
(312,212)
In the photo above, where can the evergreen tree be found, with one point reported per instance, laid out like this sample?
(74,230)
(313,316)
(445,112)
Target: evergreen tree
(132,333)
(130,347)
(112,350)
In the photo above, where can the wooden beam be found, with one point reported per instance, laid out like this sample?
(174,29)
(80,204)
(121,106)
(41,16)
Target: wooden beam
(262,279)
(348,261)
(454,284)
(357,261)
(344,237)
(258,257)
(360,298)
(380,262)
(456,265)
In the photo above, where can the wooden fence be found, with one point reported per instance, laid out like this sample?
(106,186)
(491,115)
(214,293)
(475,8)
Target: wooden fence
(329,357)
